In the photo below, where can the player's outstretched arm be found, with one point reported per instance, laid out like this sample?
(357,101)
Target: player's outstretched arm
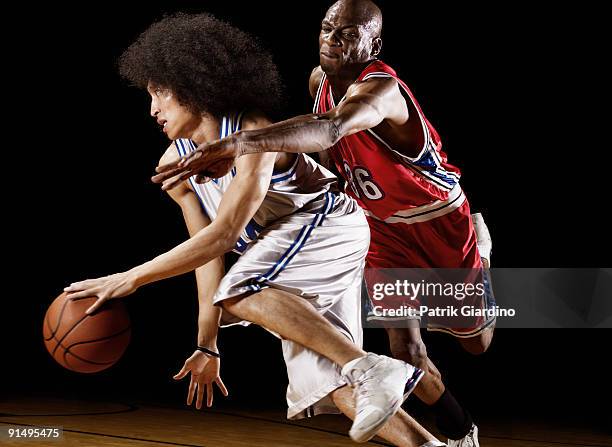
(203,369)
(366,105)
(239,204)
(210,274)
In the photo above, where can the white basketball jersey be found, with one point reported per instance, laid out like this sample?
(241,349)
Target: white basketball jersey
(289,191)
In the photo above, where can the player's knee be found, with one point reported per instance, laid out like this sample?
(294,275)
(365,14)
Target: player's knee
(245,307)
(414,353)
(232,305)
(480,344)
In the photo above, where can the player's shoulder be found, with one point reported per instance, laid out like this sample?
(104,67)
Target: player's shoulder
(379,86)
(254,119)
(315,79)
(171,155)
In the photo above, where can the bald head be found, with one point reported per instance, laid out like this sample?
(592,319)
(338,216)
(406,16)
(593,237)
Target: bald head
(350,37)
(360,12)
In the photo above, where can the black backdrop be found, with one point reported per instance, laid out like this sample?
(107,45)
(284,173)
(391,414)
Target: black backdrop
(492,81)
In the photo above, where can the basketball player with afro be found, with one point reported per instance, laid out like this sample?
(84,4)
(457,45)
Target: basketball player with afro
(391,158)
(302,242)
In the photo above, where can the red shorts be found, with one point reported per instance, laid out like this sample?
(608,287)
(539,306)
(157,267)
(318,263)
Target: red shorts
(446,242)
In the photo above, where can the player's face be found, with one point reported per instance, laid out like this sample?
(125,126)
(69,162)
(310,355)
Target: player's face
(176,120)
(343,42)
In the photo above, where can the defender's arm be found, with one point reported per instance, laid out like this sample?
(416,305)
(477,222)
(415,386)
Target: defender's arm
(365,106)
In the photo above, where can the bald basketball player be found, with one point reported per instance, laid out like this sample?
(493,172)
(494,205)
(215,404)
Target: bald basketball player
(302,242)
(391,157)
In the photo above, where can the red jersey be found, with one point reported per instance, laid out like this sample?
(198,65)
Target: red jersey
(387,184)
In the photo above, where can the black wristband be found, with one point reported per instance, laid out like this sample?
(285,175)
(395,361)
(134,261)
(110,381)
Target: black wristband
(209,352)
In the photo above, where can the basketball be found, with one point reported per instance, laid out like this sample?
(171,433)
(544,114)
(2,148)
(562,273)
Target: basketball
(86,343)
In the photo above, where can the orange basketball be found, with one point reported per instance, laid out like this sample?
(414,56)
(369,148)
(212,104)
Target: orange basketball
(86,343)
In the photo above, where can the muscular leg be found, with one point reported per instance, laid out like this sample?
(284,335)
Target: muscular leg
(293,318)
(406,344)
(479,344)
(401,429)
(451,419)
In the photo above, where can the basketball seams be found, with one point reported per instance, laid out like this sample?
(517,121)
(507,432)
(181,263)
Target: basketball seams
(85,360)
(59,342)
(67,348)
(74,327)
(117,334)
(67,364)
(59,319)
(91,362)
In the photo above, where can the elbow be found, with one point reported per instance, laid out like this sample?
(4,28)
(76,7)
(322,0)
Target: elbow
(227,241)
(329,129)
(334,132)
(223,240)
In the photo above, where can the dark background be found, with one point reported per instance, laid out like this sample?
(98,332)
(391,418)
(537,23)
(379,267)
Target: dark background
(500,86)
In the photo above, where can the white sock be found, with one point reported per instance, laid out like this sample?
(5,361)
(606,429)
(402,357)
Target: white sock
(483,237)
(434,444)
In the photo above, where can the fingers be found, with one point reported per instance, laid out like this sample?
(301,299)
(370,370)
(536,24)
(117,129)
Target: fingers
(95,306)
(197,389)
(200,396)
(182,373)
(82,285)
(168,166)
(201,179)
(192,388)
(176,180)
(164,172)
(209,394)
(86,289)
(190,158)
(221,386)
(81,294)
(160,178)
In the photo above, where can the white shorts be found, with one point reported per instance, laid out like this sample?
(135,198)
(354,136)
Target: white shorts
(317,254)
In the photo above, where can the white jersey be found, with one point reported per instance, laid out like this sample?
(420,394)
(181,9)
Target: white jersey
(310,240)
(289,191)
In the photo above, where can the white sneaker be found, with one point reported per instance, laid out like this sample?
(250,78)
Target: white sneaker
(470,440)
(483,237)
(381,385)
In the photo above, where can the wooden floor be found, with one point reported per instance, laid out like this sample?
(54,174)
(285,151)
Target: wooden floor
(108,424)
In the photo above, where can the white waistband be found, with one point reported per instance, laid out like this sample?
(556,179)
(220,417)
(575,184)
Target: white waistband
(432,210)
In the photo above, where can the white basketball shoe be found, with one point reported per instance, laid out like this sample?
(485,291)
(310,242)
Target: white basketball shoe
(470,440)
(381,385)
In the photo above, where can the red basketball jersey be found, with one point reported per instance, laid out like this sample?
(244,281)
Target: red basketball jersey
(387,184)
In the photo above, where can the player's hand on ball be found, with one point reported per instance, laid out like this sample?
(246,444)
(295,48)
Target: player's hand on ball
(105,288)
(209,160)
(204,372)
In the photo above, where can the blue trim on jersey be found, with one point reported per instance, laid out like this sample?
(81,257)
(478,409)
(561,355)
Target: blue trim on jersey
(296,246)
(241,246)
(282,176)
(253,229)
(181,151)
(229,125)
(222,131)
(193,185)
(428,162)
